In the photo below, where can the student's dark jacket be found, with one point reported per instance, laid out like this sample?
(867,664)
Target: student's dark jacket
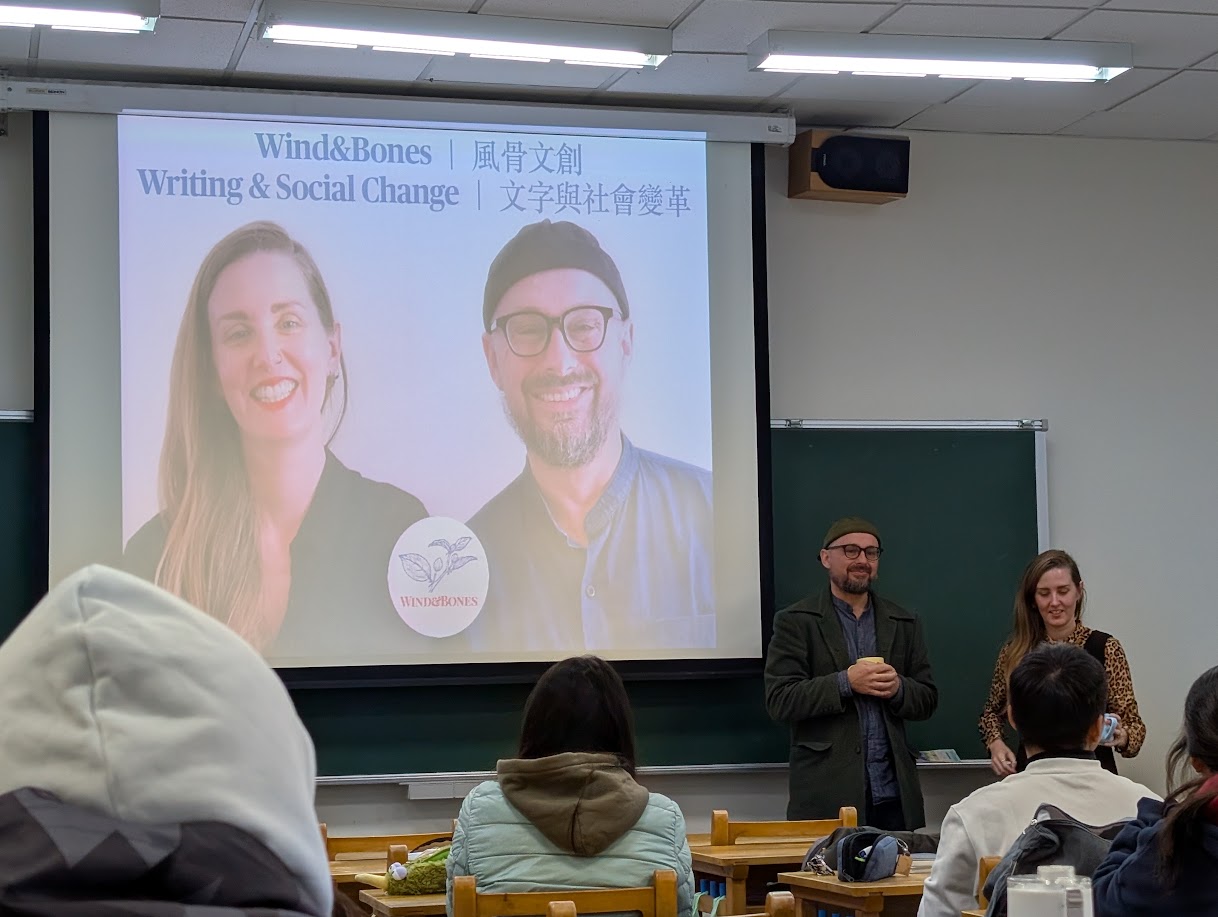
(806,652)
(1129,884)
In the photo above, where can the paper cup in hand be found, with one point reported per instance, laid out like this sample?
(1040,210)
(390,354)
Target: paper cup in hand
(877,660)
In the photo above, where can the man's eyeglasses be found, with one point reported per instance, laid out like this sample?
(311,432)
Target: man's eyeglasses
(852,551)
(528,333)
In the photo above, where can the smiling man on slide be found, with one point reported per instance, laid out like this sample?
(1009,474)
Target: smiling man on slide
(598,544)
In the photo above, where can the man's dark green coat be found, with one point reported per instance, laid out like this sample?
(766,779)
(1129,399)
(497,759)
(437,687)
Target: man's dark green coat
(801,689)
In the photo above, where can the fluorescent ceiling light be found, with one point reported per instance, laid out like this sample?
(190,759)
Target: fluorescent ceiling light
(960,58)
(97,16)
(496,37)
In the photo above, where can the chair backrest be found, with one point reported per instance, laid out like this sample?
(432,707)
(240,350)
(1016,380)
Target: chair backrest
(561,909)
(372,846)
(656,900)
(724,831)
(985,866)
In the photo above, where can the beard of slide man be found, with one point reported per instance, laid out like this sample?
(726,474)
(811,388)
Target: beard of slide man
(577,544)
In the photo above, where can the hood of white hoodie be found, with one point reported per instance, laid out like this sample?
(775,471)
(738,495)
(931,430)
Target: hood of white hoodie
(119,697)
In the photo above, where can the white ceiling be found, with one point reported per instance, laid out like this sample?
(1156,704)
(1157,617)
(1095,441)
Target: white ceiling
(1172,92)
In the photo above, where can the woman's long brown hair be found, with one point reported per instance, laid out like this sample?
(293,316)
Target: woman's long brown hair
(211,555)
(1185,805)
(1029,631)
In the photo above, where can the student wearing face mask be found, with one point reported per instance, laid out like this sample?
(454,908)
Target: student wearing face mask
(1049,609)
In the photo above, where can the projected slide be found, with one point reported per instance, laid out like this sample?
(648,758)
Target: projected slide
(398,395)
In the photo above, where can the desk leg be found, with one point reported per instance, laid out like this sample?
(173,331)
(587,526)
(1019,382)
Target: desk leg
(736,902)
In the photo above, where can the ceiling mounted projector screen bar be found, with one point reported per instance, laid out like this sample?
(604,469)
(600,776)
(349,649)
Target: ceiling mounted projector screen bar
(120,98)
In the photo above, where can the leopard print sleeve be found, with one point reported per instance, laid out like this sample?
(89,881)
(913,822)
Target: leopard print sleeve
(994,714)
(1121,700)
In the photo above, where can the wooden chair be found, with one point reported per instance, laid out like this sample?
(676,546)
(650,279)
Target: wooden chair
(372,846)
(561,909)
(724,831)
(656,900)
(985,866)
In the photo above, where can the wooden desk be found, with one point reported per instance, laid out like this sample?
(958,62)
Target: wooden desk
(384,905)
(344,871)
(732,864)
(898,896)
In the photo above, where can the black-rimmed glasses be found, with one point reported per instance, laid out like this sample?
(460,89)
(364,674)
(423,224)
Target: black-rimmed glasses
(528,333)
(852,551)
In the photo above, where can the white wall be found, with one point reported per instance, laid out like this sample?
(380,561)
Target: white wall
(1075,280)
(16,267)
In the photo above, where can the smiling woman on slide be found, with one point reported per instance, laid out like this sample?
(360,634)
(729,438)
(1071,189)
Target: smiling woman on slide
(260,525)
(1049,609)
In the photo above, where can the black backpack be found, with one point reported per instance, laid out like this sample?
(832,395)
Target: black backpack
(1053,839)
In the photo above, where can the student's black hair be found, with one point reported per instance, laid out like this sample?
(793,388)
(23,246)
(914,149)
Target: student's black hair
(579,704)
(1057,692)
(1185,806)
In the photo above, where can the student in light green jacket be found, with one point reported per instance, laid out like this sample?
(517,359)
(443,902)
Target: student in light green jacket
(567,812)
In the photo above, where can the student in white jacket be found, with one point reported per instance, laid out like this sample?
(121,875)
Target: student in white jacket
(1057,700)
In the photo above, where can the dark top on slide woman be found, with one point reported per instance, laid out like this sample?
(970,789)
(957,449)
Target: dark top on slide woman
(340,557)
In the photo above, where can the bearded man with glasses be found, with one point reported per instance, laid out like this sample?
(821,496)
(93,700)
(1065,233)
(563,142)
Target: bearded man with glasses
(845,669)
(597,544)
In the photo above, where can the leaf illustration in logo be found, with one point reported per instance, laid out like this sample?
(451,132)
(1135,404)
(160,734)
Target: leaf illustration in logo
(416,567)
(443,543)
(460,543)
(460,561)
(438,565)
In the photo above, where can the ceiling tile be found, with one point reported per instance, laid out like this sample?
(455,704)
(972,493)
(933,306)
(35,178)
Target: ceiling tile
(452,6)
(516,73)
(660,13)
(984,119)
(1072,4)
(921,91)
(228,10)
(845,114)
(1194,91)
(703,75)
(177,44)
(1164,6)
(983,21)
(730,25)
(1159,39)
(1183,107)
(15,44)
(1130,125)
(1081,97)
(339,63)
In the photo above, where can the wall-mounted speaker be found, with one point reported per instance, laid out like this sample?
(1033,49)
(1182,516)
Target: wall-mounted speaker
(854,167)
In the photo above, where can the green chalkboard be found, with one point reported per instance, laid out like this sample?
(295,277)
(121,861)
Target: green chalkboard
(20,548)
(958,514)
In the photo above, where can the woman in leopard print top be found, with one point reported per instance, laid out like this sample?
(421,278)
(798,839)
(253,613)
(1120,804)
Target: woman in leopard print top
(1049,608)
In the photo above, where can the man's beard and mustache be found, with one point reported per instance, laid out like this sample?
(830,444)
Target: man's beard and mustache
(569,442)
(858,580)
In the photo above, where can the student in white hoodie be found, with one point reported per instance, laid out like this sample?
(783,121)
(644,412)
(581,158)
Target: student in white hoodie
(150,760)
(1057,698)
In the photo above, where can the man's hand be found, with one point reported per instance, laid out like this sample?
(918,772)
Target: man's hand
(878,679)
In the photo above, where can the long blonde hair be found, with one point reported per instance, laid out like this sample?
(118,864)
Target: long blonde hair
(212,556)
(1029,631)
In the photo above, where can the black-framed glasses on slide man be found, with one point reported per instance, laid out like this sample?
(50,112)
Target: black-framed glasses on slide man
(528,333)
